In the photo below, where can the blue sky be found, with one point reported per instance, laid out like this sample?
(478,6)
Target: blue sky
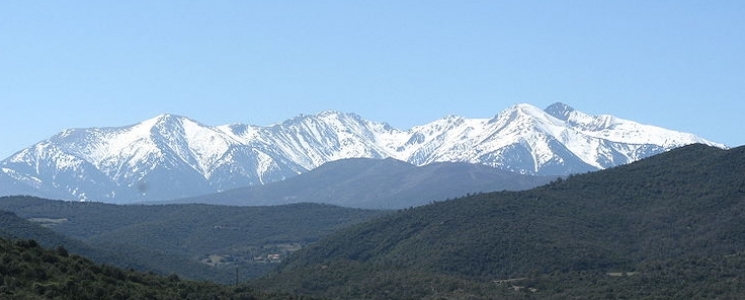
(674,64)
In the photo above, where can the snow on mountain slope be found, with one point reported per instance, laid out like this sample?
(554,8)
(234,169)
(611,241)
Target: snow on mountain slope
(171,156)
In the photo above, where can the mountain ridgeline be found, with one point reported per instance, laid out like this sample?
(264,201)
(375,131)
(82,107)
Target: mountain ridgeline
(170,157)
(666,227)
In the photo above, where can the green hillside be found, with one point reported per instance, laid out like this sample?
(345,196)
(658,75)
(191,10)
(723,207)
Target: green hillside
(670,226)
(205,242)
(29,272)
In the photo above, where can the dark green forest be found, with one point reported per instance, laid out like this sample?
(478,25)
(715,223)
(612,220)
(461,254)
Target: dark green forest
(667,227)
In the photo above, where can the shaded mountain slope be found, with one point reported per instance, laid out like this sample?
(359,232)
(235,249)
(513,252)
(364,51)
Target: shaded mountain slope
(376,184)
(662,214)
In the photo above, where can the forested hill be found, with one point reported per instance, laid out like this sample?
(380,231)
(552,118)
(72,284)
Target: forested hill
(205,242)
(29,271)
(675,221)
(150,260)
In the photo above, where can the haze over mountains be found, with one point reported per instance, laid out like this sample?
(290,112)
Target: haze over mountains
(376,184)
(170,157)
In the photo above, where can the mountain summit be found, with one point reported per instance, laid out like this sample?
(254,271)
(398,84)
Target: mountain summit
(171,156)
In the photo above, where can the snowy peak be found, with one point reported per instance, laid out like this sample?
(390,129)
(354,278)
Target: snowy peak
(165,119)
(163,124)
(171,156)
(522,119)
(328,117)
(520,114)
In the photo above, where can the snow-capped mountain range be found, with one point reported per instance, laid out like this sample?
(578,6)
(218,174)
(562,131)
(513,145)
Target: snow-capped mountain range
(169,156)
